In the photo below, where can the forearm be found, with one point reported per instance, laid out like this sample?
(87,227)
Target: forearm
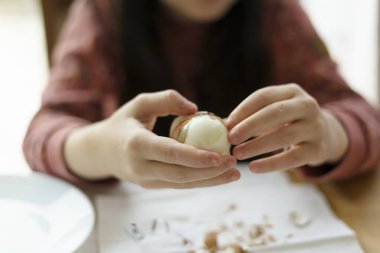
(44,140)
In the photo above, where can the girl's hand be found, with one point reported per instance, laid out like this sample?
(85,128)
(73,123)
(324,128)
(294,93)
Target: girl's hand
(285,117)
(123,146)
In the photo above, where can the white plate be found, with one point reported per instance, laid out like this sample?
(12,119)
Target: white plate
(39,213)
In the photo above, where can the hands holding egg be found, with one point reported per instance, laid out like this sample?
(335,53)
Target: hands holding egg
(197,155)
(285,118)
(124,146)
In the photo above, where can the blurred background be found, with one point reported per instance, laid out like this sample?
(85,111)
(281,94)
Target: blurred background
(28,30)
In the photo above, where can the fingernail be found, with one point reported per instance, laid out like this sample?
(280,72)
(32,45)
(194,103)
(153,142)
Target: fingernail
(234,138)
(186,105)
(233,176)
(228,123)
(254,167)
(231,163)
(215,161)
(238,154)
(191,104)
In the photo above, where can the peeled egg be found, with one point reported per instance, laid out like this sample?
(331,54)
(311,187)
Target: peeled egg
(202,130)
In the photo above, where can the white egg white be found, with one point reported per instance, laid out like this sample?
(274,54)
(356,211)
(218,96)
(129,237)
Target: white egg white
(207,132)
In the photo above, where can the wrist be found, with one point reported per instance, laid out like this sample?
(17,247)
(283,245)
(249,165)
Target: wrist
(336,138)
(80,153)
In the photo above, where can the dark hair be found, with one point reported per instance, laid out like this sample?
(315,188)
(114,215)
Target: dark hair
(234,56)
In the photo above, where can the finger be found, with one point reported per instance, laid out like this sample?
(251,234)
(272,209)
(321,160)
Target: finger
(163,103)
(167,150)
(224,178)
(284,137)
(180,174)
(260,99)
(271,117)
(293,158)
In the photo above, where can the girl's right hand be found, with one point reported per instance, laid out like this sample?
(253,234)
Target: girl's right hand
(124,146)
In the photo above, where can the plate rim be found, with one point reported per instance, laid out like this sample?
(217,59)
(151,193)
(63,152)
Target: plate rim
(87,232)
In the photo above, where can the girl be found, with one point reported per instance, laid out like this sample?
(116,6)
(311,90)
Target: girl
(120,65)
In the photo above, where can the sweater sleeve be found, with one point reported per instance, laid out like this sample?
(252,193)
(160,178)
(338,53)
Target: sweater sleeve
(81,90)
(299,56)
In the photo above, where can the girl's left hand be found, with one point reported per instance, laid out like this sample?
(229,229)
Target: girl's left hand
(285,117)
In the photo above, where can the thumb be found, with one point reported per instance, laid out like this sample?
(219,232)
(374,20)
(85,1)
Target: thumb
(163,103)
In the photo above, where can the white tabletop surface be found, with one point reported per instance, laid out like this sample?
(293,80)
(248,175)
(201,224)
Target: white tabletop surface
(272,194)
